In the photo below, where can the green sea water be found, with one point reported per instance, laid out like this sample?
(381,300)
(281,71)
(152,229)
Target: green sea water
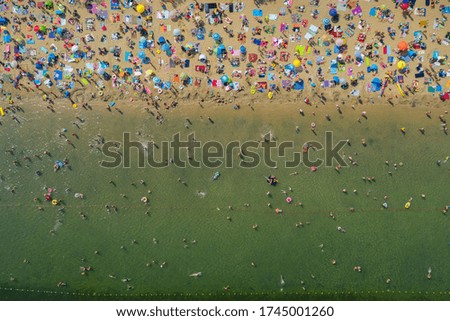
(189,228)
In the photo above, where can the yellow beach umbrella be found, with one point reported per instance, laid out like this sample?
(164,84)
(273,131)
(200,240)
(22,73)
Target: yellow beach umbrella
(401,65)
(297,63)
(140,8)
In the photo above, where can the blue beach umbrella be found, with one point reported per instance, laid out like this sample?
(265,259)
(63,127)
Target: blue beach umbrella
(161,40)
(156,80)
(224,79)
(216,37)
(243,50)
(326,21)
(333,12)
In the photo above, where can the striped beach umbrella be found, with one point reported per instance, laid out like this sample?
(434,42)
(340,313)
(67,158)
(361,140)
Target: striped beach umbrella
(326,21)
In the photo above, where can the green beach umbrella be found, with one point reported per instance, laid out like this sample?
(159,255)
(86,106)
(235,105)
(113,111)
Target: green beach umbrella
(49,4)
(43,29)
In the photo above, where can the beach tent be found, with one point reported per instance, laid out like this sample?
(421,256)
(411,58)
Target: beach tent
(376,84)
(402,45)
(115,4)
(257,13)
(161,40)
(3,21)
(57,75)
(140,8)
(299,84)
(210,6)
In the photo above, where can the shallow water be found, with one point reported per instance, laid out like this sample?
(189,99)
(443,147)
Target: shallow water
(136,239)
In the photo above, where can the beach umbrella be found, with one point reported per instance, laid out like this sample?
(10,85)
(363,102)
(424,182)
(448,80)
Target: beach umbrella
(74,48)
(202,57)
(216,37)
(404,6)
(401,65)
(333,12)
(36,28)
(140,8)
(49,4)
(43,28)
(59,30)
(224,79)
(403,45)
(3,21)
(326,21)
(297,63)
(156,80)
(59,12)
(161,40)
(290,67)
(243,50)
(176,32)
(13,64)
